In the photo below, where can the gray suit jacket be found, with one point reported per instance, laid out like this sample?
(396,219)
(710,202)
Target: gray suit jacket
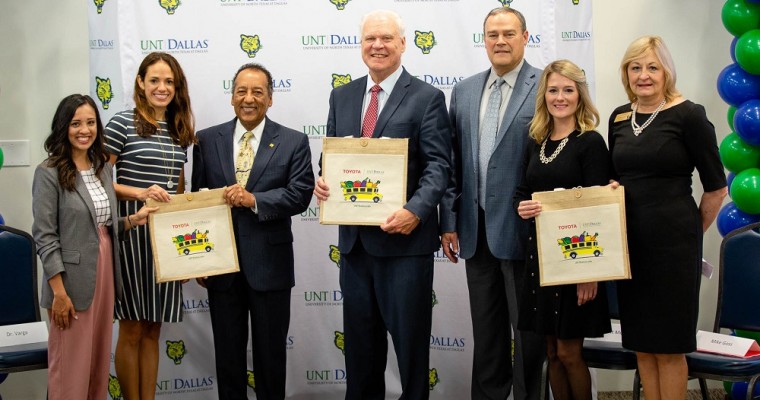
(505,230)
(66,234)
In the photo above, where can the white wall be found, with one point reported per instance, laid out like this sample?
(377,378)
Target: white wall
(45,57)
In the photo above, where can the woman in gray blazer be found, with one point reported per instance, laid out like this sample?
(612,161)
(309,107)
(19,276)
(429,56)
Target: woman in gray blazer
(74,206)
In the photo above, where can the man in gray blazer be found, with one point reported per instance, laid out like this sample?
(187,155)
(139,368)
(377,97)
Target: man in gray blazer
(263,198)
(490,113)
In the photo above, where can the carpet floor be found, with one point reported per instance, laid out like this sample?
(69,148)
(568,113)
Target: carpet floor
(694,394)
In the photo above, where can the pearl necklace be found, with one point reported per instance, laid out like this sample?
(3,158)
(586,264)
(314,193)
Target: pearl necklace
(638,129)
(542,154)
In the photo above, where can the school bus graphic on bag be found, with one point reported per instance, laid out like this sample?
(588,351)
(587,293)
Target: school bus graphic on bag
(365,190)
(194,242)
(583,245)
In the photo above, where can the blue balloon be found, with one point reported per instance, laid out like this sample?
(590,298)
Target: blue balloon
(735,85)
(739,390)
(732,48)
(730,178)
(2,221)
(747,122)
(731,217)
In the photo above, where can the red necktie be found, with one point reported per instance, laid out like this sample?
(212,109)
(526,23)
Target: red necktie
(370,118)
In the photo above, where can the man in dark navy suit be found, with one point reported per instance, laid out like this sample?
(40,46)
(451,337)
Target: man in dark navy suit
(266,169)
(387,271)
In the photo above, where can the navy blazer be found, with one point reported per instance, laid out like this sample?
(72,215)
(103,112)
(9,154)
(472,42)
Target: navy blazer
(66,234)
(282,182)
(414,110)
(505,230)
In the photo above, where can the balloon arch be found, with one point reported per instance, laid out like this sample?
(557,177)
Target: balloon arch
(739,86)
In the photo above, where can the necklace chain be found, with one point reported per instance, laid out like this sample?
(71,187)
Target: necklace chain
(638,129)
(167,168)
(542,154)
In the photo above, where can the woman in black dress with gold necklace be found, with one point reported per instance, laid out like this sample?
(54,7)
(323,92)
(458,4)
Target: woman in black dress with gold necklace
(565,152)
(656,141)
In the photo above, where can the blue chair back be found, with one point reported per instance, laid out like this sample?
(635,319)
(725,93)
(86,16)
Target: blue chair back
(739,293)
(18,277)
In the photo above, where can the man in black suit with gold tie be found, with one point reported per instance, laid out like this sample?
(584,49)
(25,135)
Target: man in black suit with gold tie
(266,169)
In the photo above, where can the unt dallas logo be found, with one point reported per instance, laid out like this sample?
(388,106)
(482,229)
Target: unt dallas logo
(340,4)
(103,91)
(250,44)
(424,41)
(99,5)
(169,5)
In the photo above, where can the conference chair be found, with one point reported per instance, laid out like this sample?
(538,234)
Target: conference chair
(737,308)
(604,355)
(19,303)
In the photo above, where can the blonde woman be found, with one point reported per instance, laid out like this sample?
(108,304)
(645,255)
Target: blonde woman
(565,152)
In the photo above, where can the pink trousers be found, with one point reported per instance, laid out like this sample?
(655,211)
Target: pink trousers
(79,357)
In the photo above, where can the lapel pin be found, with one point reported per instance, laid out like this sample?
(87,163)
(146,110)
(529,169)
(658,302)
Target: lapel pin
(271,145)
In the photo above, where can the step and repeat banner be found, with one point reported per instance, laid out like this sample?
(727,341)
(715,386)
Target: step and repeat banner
(311,46)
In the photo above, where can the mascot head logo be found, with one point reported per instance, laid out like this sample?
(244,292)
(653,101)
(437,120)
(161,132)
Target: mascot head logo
(114,390)
(340,4)
(424,41)
(435,299)
(340,80)
(99,5)
(335,255)
(433,378)
(339,342)
(251,379)
(176,351)
(250,45)
(105,95)
(169,5)
(506,3)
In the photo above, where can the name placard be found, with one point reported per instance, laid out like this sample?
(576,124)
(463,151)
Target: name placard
(14,335)
(734,346)
(612,337)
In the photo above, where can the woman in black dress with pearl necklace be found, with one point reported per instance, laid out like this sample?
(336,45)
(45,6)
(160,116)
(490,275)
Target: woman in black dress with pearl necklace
(565,152)
(656,141)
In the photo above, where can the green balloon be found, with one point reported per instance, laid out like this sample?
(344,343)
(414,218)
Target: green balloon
(1,158)
(745,191)
(737,155)
(739,16)
(727,386)
(748,334)
(747,51)
(731,112)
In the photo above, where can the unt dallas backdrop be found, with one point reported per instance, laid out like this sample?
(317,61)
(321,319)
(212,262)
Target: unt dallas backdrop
(311,46)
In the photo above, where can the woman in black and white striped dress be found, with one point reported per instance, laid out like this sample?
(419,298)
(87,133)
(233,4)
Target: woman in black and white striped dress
(148,146)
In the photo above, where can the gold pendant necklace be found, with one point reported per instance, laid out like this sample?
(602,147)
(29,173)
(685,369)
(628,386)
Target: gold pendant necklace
(167,168)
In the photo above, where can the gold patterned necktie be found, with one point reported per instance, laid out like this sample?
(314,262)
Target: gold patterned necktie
(244,161)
